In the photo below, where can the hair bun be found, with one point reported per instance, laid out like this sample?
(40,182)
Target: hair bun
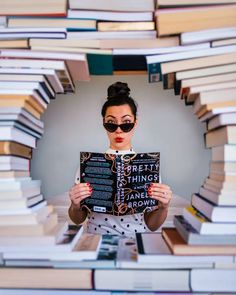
(118,89)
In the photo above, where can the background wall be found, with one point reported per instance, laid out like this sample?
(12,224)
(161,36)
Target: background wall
(73,123)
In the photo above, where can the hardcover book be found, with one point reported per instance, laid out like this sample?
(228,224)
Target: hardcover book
(120,182)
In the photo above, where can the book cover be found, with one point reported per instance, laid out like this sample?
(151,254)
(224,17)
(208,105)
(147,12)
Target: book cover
(100,64)
(119,182)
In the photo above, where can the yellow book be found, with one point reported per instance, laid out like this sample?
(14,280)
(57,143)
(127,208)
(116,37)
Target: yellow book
(28,7)
(22,104)
(175,21)
(45,278)
(13,174)
(126,26)
(16,149)
(208,107)
(27,98)
(178,246)
(21,43)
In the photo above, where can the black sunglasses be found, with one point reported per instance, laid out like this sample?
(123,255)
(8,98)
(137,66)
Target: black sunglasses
(112,127)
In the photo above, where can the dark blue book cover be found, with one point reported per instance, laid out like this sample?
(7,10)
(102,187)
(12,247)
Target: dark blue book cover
(120,182)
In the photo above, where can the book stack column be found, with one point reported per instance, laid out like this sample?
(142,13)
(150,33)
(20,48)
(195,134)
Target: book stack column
(205,79)
(29,227)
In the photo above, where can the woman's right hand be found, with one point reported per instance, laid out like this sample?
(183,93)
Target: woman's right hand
(79,192)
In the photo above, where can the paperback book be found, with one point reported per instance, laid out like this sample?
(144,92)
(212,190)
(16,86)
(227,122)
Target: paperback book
(120,182)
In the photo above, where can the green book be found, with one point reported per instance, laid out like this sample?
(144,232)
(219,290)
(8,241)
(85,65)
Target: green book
(100,64)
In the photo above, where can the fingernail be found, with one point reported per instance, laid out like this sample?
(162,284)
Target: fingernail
(151,184)
(88,183)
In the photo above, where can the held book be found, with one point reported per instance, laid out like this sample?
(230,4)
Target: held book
(119,182)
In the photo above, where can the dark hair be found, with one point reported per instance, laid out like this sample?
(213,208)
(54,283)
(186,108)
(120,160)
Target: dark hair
(119,94)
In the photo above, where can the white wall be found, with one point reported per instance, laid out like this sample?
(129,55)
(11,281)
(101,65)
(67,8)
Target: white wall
(73,123)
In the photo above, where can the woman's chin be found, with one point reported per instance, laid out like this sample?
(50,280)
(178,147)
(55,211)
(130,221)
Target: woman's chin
(120,146)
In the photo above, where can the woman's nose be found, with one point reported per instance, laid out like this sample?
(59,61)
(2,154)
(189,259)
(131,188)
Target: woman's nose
(118,130)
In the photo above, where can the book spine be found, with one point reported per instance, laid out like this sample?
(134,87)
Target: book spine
(119,180)
(154,72)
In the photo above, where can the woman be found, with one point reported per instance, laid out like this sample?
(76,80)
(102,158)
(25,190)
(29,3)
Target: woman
(120,121)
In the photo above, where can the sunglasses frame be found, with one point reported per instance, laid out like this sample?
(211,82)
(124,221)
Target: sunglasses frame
(117,126)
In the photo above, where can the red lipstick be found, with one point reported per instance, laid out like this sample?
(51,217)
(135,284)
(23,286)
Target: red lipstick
(119,139)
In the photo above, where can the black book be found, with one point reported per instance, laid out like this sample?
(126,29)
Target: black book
(129,63)
(120,182)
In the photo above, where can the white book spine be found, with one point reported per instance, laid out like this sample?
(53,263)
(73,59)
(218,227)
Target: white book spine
(9,133)
(190,54)
(207,35)
(213,280)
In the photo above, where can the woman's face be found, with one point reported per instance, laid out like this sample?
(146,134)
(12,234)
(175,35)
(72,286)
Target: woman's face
(120,140)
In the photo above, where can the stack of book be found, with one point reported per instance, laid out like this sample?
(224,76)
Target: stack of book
(115,16)
(116,36)
(123,264)
(29,80)
(175,17)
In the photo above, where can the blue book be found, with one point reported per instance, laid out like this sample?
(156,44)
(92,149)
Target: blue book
(120,182)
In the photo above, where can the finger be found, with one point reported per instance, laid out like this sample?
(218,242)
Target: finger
(155,194)
(80,189)
(79,195)
(161,199)
(80,199)
(165,193)
(159,185)
(76,195)
(153,190)
(80,185)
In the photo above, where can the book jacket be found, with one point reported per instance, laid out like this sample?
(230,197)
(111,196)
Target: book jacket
(120,182)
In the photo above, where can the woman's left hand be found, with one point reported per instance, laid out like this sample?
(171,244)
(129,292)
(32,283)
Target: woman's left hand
(160,192)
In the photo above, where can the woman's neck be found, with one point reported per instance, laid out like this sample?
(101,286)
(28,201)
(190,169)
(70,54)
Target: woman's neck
(114,151)
(123,148)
